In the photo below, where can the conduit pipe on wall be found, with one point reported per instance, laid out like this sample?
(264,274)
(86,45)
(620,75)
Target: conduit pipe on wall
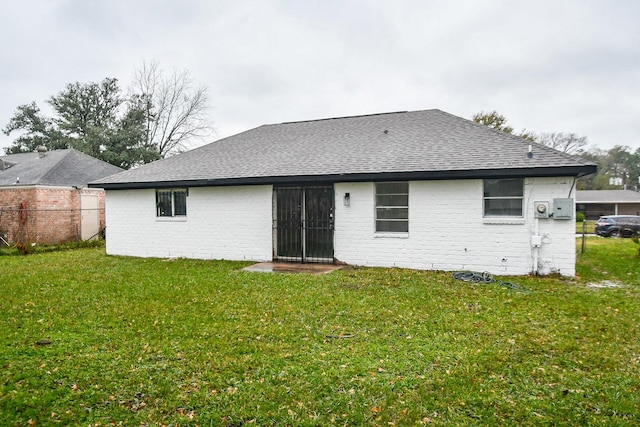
(535,244)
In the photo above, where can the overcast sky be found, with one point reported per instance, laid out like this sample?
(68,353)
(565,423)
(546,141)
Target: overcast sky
(547,65)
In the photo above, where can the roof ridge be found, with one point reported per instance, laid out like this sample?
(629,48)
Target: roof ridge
(54,165)
(348,117)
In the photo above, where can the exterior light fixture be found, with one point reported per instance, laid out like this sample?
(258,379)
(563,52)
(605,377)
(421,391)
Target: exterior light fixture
(347,199)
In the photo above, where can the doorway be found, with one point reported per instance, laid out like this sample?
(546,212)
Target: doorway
(89,216)
(303,223)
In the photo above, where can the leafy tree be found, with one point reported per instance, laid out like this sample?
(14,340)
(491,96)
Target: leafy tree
(493,120)
(160,116)
(175,110)
(87,113)
(497,121)
(90,117)
(597,181)
(634,169)
(37,130)
(124,147)
(618,168)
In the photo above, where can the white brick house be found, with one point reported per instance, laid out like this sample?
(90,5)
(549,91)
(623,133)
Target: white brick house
(424,190)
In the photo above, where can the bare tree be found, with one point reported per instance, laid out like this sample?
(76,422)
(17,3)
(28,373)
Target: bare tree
(566,142)
(176,110)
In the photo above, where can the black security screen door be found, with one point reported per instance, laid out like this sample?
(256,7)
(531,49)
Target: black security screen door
(288,223)
(304,223)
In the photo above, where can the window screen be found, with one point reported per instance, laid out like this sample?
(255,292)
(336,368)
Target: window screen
(503,197)
(171,203)
(392,206)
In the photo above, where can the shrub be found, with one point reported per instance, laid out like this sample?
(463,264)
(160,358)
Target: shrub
(579,217)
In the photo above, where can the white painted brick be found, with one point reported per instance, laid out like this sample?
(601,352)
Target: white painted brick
(446,228)
(222,223)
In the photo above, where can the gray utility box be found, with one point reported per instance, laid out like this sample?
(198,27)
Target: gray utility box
(563,208)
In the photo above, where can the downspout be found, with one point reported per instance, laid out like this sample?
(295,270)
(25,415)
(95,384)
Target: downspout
(535,248)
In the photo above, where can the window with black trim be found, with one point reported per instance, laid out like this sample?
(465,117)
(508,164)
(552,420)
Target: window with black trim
(170,203)
(503,197)
(392,207)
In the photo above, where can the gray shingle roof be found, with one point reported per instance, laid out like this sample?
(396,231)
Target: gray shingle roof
(58,167)
(419,144)
(607,196)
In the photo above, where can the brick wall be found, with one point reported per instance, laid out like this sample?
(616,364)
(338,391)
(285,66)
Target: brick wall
(52,213)
(447,230)
(231,223)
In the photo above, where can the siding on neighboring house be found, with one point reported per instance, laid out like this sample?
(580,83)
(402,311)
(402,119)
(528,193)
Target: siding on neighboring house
(627,209)
(447,230)
(596,203)
(593,211)
(231,223)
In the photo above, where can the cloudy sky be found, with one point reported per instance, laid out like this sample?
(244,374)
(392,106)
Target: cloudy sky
(547,65)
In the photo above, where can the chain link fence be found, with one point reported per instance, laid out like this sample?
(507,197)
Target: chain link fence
(49,226)
(584,229)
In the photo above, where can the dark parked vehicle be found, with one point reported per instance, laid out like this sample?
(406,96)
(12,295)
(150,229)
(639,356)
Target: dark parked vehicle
(618,226)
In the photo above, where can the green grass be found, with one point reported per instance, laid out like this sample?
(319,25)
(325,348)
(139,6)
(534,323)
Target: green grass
(588,227)
(187,342)
(608,259)
(37,249)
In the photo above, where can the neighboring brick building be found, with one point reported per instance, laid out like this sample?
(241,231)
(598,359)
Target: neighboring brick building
(421,189)
(44,196)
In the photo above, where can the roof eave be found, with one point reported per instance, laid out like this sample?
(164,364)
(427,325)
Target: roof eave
(608,202)
(575,171)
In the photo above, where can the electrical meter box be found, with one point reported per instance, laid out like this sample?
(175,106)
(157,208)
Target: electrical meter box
(563,208)
(541,209)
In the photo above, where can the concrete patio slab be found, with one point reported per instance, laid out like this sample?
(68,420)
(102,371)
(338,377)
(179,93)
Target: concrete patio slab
(292,267)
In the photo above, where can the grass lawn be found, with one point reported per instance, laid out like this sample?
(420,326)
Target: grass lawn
(588,227)
(150,342)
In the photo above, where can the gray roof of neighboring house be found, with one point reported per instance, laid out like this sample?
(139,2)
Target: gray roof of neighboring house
(429,144)
(58,167)
(607,196)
